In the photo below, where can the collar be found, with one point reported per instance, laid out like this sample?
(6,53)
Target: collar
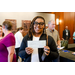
(51,30)
(30,38)
(66,29)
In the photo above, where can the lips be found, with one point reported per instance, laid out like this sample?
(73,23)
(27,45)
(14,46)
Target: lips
(37,29)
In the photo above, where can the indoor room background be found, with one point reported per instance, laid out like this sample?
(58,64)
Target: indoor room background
(67,19)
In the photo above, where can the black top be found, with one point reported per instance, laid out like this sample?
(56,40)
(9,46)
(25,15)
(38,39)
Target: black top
(51,43)
(64,34)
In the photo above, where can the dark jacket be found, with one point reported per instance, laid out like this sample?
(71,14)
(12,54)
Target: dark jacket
(64,34)
(51,43)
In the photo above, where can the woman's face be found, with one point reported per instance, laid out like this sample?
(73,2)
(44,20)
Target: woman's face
(39,25)
(1,31)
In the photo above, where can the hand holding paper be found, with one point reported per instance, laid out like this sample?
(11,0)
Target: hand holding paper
(28,50)
(46,50)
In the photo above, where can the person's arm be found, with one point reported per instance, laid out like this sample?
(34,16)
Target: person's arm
(10,53)
(10,45)
(58,41)
(20,38)
(74,35)
(63,36)
(69,35)
(22,52)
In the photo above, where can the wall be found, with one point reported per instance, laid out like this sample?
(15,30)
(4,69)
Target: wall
(19,16)
(61,25)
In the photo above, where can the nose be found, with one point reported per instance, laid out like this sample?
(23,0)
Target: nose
(38,25)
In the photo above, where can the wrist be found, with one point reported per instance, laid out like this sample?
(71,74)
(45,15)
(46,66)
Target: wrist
(58,45)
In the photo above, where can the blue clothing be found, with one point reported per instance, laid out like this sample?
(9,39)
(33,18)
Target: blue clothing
(74,35)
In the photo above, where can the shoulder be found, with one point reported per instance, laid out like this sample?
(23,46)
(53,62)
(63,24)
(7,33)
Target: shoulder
(9,40)
(69,30)
(44,35)
(55,30)
(26,37)
(64,30)
(17,33)
(10,36)
(50,37)
(74,33)
(50,40)
(47,29)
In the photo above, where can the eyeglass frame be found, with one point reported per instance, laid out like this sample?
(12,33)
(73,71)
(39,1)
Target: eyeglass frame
(39,24)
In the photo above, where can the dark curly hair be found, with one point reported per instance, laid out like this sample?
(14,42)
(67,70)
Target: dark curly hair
(31,29)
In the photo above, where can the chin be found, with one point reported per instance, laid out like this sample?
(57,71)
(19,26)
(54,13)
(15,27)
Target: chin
(38,32)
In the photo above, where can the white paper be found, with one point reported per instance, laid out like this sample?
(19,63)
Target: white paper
(37,44)
(60,48)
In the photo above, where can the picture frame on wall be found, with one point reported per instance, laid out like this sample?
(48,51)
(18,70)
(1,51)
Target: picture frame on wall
(26,26)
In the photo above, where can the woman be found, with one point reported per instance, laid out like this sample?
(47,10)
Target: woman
(37,32)
(1,32)
(7,44)
(18,38)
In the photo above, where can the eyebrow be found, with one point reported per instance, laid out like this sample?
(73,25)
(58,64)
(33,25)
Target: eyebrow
(39,22)
(53,24)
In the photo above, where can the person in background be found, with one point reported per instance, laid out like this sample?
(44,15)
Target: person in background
(54,33)
(37,32)
(7,44)
(66,34)
(18,38)
(1,32)
(74,37)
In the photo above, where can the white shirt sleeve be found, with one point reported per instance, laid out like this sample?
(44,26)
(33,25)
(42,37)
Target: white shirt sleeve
(18,37)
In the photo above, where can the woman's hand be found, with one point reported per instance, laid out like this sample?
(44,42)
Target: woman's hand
(46,50)
(29,50)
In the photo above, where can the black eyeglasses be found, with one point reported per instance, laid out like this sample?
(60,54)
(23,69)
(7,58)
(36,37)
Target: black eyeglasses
(41,23)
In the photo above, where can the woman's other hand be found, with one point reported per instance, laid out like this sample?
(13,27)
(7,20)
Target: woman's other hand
(29,50)
(46,50)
